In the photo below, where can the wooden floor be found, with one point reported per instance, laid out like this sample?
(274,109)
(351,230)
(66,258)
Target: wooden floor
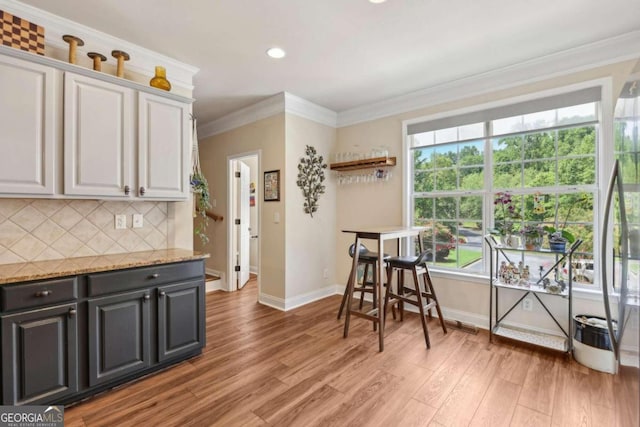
(265,367)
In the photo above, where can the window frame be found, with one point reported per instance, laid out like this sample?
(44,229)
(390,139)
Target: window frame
(604,162)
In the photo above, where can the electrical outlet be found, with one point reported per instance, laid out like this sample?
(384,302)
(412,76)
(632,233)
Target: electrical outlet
(527,304)
(121,222)
(138,221)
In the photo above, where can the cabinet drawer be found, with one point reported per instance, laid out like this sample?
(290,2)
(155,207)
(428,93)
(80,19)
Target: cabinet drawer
(122,280)
(36,294)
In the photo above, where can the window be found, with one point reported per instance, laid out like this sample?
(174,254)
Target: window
(544,153)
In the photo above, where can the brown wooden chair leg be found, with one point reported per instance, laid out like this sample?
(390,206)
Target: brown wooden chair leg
(364,284)
(401,293)
(388,293)
(375,291)
(427,295)
(344,297)
(421,308)
(432,291)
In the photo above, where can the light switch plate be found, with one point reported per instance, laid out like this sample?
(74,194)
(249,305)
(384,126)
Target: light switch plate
(138,221)
(121,222)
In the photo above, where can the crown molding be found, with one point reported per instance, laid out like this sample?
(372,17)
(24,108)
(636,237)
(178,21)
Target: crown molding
(143,60)
(604,52)
(258,111)
(301,107)
(281,103)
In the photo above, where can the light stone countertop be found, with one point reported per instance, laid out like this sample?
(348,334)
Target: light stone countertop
(37,270)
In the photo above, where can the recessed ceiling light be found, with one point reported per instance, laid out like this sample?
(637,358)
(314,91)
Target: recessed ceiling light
(377,1)
(276,52)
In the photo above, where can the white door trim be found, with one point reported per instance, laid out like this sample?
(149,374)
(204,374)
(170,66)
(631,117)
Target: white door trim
(231,274)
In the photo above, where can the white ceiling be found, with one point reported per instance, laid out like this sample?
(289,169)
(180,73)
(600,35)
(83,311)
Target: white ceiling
(343,54)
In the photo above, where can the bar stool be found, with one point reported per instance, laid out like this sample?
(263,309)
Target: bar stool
(418,266)
(369,260)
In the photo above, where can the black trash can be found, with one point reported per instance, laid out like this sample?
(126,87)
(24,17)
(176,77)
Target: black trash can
(592,331)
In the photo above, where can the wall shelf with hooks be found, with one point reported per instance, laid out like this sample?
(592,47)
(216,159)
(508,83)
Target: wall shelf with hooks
(375,162)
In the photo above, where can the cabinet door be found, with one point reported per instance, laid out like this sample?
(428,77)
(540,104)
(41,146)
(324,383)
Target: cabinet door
(28,124)
(181,319)
(164,149)
(119,334)
(39,355)
(98,137)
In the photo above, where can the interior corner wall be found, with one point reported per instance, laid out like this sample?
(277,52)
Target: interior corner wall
(267,135)
(309,240)
(381,203)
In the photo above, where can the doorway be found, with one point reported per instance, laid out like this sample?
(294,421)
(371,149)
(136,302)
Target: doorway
(243,213)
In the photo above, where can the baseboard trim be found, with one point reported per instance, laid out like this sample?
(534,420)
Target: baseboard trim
(217,285)
(297,301)
(309,297)
(271,301)
(213,286)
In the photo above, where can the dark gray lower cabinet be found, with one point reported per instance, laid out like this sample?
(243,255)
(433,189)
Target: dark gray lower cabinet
(67,338)
(180,319)
(39,355)
(119,335)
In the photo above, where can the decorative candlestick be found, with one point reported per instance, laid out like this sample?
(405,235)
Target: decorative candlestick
(97,60)
(74,42)
(121,57)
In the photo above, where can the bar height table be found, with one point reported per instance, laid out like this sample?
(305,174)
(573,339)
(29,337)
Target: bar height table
(376,315)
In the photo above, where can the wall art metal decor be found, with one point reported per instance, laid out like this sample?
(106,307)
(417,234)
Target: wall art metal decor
(310,179)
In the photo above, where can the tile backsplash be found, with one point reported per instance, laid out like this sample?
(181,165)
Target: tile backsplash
(44,229)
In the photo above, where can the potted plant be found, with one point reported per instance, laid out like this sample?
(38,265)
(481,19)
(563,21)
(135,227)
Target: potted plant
(508,212)
(559,237)
(200,188)
(532,236)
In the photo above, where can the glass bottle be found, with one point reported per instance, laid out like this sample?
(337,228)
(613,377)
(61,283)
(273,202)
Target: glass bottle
(160,81)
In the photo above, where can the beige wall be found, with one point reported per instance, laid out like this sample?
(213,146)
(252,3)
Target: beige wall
(360,204)
(267,135)
(309,240)
(296,251)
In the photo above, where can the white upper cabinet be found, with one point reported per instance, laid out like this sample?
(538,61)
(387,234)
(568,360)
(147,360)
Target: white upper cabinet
(28,128)
(68,131)
(98,137)
(163,148)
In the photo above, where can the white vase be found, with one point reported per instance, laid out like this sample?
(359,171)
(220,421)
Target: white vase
(509,241)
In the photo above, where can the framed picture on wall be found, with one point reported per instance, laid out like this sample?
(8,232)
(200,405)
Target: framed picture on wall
(272,186)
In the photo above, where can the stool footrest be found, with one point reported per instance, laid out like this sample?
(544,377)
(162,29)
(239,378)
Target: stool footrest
(370,315)
(393,298)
